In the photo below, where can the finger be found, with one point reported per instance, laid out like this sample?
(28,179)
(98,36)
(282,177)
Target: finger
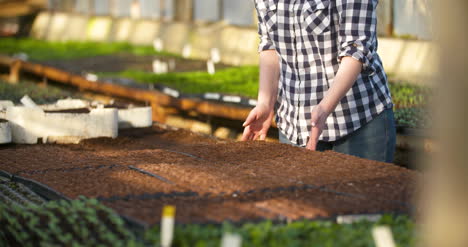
(313,139)
(252,116)
(264,133)
(256,135)
(314,119)
(247,134)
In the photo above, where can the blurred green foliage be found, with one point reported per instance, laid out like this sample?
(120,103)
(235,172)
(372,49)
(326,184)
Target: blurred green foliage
(244,81)
(406,95)
(413,117)
(40,95)
(86,222)
(39,50)
(241,81)
(82,222)
(300,233)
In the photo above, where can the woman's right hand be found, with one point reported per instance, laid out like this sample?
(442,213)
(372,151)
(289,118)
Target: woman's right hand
(257,123)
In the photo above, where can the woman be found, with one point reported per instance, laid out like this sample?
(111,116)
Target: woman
(332,92)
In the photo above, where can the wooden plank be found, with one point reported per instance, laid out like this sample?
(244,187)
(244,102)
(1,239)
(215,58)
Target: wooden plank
(6,61)
(19,8)
(15,68)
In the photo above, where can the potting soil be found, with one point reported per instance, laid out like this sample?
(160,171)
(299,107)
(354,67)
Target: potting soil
(209,180)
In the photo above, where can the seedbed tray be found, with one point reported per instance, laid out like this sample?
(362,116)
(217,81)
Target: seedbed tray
(103,182)
(282,205)
(29,158)
(212,181)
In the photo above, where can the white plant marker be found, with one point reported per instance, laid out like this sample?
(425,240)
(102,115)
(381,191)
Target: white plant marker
(383,236)
(232,99)
(167,226)
(214,96)
(349,219)
(158,44)
(172,64)
(160,67)
(215,55)
(91,77)
(231,240)
(164,67)
(253,102)
(156,67)
(186,51)
(21,56)
(211,67)
(171,92)
(28,102)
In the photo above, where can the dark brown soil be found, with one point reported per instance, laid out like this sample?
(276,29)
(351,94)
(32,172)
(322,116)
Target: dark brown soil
(138,173)
(311,203)
(78,111)
(3,120)
(121,62)
(102,182)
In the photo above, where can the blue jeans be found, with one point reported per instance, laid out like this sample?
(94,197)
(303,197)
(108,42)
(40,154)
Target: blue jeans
(375,140)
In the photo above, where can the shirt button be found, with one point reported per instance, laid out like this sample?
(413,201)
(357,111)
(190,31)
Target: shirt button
(355,45)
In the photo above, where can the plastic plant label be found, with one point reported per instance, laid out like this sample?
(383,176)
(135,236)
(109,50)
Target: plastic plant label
(156,67)
(171,92)
(21,56)
(211,67)
(160,67)
(349,219)
(167,226)
(172,64)
(215,55)
(383,236)
(186,51)
(253,102)
(28,102)
(158,45)
(231,240)
(91,77)
(213,96)
(232,99)
(164,67)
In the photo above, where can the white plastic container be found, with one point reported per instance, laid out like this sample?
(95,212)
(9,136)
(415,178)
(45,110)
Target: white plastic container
(138,117)
(5,132)
(29,124)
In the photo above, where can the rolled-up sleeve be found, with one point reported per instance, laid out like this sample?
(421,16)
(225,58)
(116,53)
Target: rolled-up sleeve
(358,31)
(265,41)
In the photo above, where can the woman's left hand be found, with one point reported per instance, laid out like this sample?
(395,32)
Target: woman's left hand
(318,118)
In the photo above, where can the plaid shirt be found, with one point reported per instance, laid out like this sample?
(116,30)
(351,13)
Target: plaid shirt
(310,37)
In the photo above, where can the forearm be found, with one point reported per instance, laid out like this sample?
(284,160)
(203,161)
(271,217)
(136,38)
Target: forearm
(269,77)
(345,78)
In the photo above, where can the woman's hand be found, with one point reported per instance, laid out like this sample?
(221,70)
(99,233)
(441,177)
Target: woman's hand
(349,70)
(318,118)
(257,123)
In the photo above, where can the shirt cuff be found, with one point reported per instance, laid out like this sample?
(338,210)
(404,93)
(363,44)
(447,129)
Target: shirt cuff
(266,44)
(357,52)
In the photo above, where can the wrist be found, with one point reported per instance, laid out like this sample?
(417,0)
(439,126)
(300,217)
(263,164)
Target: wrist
(266,103)
(327,107)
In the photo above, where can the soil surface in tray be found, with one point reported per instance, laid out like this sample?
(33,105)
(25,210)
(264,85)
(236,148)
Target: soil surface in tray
(210,180)
(121,62)
(285,204)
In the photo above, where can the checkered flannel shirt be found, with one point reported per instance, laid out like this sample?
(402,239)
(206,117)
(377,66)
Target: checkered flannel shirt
(310,37)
